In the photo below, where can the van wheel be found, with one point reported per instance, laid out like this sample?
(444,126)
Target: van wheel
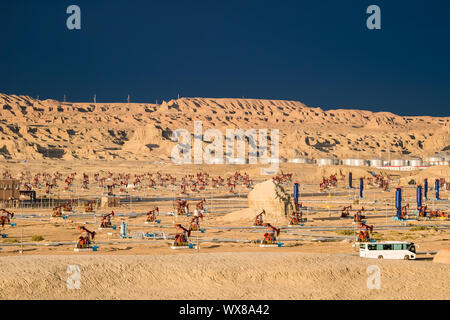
(380,257)
(406,257)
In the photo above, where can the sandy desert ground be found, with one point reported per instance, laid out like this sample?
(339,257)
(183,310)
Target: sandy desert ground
(317,260)
(320,264)
(242,275)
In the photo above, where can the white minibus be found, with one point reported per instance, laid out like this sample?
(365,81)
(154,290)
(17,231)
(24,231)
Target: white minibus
(387,250)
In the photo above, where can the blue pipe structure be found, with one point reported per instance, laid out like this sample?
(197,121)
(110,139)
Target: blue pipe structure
(398,202)
(425,188)
(123,229)
(350,180)
(436,188)
(419,196)
(361,187)
(296,193)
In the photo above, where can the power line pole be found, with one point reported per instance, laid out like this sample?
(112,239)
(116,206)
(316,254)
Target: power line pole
(64,98)
(95,98)
(128,99)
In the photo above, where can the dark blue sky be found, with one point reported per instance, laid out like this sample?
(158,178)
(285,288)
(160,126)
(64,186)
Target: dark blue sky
(317,52)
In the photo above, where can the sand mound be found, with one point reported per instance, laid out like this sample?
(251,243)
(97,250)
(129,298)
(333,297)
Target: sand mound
(268,196)
(271,197)
(443,256)
(268,275)
(431,173)
(357,172)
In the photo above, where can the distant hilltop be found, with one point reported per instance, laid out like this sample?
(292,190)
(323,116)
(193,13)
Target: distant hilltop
(37,129)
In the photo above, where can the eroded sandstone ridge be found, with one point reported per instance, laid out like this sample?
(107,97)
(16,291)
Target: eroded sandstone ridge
(36,129)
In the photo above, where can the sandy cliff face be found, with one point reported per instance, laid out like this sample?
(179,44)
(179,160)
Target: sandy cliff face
(36,129)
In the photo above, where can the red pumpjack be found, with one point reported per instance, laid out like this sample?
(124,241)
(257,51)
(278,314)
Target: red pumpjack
(271,237)
(258,219)
(106,220)
(85,241)
(181,238)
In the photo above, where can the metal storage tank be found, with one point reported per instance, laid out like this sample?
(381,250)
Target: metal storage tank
(376,163)
(434,160)
(347,162)
(398,162)
(275,160)
(325,161)
(300,160)
(235,160)
(416,162)
(443,155)
(359,162)
(354,162)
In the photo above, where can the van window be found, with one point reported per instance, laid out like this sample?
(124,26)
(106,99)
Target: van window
(362,246)
(398,246)
(387,246)
(379,247)
(372,247)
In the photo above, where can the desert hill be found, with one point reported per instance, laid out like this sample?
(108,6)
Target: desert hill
(37,129)
(232,275)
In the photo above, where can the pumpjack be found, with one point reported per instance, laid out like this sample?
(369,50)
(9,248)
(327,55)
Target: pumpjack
(85,240)
(346,211)
(364,233)
(181,238)
(259,219)
(106,220)
(195,225)
(151,215)
(6,216)
(270,238)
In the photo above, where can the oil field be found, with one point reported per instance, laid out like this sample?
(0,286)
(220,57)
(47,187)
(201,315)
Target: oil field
(153,229)
(238,158)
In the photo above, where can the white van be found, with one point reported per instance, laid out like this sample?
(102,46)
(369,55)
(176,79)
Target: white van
(388,250)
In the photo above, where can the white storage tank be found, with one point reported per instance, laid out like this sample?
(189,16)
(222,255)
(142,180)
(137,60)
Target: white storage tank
(354,162)
(231,160)
(359,162)
(444,156)
(300,160)
(376,163)
(434,160)
(398,162)
(416,162)
(347,162)
(326,161)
